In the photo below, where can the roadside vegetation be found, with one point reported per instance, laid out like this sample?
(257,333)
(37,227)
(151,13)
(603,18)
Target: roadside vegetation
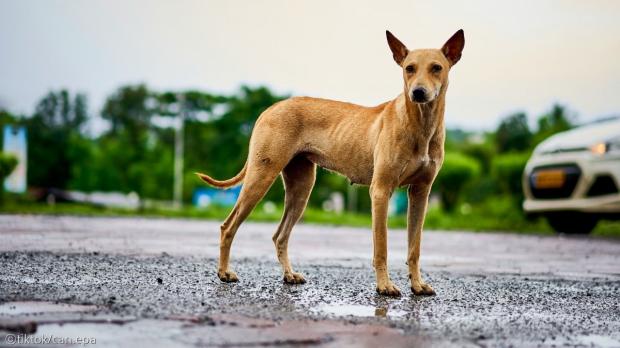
(478,188)
(497,216)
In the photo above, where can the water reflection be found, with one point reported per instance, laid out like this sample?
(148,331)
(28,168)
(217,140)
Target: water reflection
(342,310)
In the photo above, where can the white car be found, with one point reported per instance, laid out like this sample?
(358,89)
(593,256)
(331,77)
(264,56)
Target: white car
(573,177)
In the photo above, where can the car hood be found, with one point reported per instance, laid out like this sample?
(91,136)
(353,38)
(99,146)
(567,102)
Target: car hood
(581,138)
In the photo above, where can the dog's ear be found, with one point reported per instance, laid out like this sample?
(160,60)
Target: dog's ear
(399,51)
(453,48)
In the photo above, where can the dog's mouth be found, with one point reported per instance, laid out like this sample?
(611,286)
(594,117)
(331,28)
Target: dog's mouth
(421,100)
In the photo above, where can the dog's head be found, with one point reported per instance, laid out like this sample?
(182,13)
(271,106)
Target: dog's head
(426,71)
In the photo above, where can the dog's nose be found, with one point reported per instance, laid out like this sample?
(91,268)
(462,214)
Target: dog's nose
(419,94)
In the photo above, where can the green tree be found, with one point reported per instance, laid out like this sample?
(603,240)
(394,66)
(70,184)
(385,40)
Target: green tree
(220,145)
(6,118)
(128,144)
(513,134)
(56,120)
(555,121)
(129,110)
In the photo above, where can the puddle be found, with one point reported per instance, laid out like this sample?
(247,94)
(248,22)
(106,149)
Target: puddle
(343,310)
(35,307)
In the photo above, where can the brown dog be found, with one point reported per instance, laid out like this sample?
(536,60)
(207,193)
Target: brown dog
(397,143)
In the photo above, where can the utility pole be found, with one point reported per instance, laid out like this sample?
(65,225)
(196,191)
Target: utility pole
(179,140)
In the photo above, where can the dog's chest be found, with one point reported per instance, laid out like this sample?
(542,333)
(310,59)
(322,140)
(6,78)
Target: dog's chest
(420,163)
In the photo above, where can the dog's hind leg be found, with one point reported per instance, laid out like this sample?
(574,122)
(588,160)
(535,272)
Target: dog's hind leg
(257,182)
(298,177)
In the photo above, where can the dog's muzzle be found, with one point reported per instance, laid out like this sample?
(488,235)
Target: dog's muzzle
(419,95)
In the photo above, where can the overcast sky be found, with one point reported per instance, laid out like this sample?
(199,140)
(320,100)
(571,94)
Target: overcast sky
(519,55)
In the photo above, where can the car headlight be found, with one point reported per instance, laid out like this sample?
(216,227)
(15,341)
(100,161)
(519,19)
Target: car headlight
(606,147)
(599,148)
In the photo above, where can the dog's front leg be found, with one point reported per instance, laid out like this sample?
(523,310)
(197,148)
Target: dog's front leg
(380,196)
(418,201)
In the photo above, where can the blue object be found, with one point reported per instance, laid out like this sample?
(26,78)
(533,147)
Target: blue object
(398,203)
(205,196)
(15,143)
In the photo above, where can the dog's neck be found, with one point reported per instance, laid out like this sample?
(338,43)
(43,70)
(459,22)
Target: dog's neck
(422,119)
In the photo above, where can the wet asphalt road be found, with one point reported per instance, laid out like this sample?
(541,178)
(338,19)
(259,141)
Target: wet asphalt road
(158,278)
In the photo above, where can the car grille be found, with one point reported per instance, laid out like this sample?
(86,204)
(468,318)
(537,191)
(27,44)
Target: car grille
(572,174)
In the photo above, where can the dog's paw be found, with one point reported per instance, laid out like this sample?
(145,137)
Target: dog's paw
(228,276)
(388,289)
(422,289)
(294,278)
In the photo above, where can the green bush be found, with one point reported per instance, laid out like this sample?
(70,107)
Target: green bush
(481,189)
(483,152)
(458,170)
(7,164)
(508,170)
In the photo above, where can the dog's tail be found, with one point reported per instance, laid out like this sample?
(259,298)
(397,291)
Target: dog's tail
(234,181)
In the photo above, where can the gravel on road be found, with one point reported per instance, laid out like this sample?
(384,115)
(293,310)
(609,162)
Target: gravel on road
(512,289)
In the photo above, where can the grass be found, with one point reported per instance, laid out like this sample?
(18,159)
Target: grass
(495,215)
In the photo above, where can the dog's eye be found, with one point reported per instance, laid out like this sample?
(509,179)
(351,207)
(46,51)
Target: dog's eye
(436,68)
(410,69)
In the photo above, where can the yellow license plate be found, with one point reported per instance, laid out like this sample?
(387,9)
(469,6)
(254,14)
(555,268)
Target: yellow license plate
(552,178)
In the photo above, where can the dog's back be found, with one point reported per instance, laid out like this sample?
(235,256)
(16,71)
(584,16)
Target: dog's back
(324,131)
